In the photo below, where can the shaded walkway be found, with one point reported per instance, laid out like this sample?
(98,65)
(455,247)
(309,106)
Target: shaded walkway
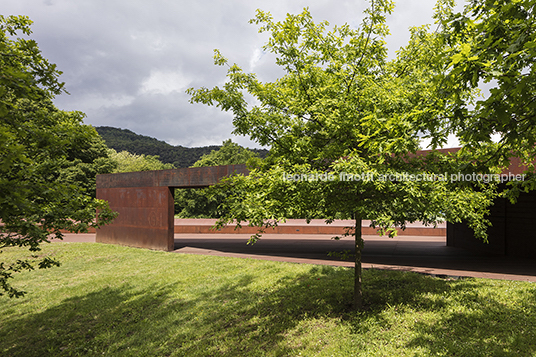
(412,253)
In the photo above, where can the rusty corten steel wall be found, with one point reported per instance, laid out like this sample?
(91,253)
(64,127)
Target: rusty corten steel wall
(145,217)
(144,201)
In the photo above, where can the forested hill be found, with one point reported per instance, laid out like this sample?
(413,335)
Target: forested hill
(180,156)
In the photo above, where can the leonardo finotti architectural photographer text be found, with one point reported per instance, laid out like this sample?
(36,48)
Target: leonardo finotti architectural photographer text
(458,177)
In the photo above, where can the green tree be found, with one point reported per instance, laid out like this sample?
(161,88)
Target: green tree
(491,43)
(128,162)
(39,144)
(229,154)
(88,158)
(196,203)
(342,108)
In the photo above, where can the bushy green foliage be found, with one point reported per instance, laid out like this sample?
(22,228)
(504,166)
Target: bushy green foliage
(125,161)
(492,42)
(198,203)
(44,152)
(228,154)
(89,158)
(207,203)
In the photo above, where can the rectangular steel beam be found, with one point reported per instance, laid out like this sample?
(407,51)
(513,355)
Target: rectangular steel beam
(193,177)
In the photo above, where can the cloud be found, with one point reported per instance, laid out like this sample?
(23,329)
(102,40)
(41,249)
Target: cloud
(127,63)
(160,82)
(255,58)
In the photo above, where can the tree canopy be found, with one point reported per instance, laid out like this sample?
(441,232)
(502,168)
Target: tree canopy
(228,154)
(125,161)
(343,125)
(491,44)
(42,150)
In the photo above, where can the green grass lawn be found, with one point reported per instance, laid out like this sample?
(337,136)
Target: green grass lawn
(110,300)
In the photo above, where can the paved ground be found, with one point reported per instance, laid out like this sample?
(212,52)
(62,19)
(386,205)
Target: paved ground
(413,253)
(297,222)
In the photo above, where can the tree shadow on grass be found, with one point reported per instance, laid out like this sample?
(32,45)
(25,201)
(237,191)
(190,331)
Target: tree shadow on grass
(471,318)
(228,320)
(240,319)
(111,320)
(482,325)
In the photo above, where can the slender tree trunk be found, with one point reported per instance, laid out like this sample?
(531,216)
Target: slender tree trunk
(359,242)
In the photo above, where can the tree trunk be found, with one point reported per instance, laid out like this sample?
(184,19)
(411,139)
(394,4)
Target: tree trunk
(359,242)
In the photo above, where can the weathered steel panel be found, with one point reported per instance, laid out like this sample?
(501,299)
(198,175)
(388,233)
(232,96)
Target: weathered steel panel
(145,217)
(128,179)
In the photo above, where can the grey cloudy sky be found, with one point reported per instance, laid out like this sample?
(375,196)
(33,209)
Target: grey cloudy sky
(127,63)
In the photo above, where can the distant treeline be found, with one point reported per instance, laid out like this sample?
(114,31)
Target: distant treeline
(180,156)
